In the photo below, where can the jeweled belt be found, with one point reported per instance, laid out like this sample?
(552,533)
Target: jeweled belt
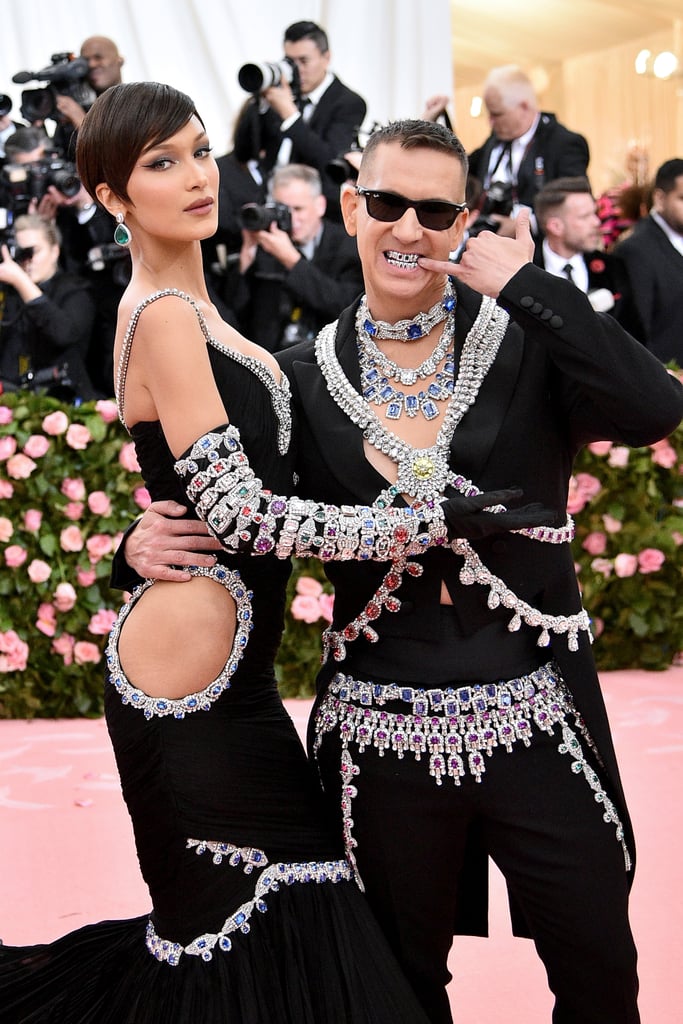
(454,727)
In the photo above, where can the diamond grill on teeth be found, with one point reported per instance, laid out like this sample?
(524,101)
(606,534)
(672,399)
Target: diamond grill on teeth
(405,258)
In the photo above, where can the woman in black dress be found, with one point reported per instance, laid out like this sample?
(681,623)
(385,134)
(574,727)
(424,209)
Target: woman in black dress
(256,917)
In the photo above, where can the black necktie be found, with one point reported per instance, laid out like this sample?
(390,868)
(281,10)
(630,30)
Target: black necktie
(568,272)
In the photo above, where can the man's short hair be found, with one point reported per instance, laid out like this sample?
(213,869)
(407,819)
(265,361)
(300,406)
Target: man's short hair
(552,196)
(307,30)
(416,134)
(297,172)
(665,178)
(24,140)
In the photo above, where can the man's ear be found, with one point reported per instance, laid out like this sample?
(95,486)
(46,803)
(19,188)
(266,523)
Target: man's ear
(349,206)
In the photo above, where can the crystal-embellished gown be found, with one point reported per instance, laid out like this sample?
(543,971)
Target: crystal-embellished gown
(256,919)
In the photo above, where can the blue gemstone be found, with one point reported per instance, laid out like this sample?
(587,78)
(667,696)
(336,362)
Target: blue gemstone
(370,327)
(414,331)
(394,411)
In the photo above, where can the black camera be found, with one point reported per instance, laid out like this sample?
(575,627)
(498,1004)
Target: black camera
(114,257)
(5,104)
(54,381)
(67,75)
(340,169)
(254,217)
(20,183)
(256,78)
(497,200)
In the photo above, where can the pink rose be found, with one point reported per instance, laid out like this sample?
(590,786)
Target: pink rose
(597,627)
(20,467)
(128,458)
(33,518)
(6,529)
(600,447)
(6,415)
(677,538)
(78,437)
(39,571)
(326,602)
(64,645)
(64,597)
(309,587)
(15,556)
(595,543)
(55,423)
(86,653)
(602,566)
(107,409)
(305,609)
(99,545)
(6,489)
(99,504)
(651,560)
(611,524)
(8,446)
(142,498)
(13,652)
(663,455)
(73,488)
(625,565)
(73,510)
(71,539)
(589,485)
(597,266)
(46,622)
(86,577)
(101,622)
(619,456)
(36,446)
(575,498)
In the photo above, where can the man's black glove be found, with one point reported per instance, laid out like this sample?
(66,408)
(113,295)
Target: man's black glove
(465,516)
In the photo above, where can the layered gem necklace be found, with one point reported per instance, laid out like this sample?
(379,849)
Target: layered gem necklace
(423,473)
(378,372)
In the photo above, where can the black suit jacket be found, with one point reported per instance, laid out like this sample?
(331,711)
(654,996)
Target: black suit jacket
(331,131)
(607,272)
(563,377)
(655,269)
(554,152)
(318,289)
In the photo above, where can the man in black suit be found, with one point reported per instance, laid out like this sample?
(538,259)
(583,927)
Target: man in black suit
(294,281)
(653,256)
(313,127)
(571,247)
(527,147)
(431,726)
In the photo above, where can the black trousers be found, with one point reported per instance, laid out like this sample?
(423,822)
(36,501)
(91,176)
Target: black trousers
(541,824)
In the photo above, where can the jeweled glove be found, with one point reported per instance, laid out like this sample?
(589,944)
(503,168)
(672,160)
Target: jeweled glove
(230,498)
(466,516)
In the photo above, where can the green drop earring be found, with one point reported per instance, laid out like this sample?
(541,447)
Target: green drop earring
(122,235)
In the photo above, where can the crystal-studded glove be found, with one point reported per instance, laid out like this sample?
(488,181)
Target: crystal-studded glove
(230,498)
(478,515)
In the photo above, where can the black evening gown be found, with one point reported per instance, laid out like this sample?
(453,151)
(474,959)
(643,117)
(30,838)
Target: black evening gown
(255,918)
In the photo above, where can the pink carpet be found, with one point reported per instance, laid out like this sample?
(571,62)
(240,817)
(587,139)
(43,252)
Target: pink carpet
(67,857)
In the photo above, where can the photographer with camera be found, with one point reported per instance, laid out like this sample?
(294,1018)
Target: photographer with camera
(526,148)
(298,270)
(300,111)
(46,315)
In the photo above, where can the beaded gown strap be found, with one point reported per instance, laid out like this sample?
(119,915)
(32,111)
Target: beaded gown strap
(279,391)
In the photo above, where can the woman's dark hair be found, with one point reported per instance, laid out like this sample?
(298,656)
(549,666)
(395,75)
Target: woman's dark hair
(124,122)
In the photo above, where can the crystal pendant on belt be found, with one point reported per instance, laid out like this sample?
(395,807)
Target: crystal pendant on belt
(423,472)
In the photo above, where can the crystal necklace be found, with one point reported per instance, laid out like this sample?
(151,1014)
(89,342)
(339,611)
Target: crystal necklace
(423,473)
(408,330)
(377,369)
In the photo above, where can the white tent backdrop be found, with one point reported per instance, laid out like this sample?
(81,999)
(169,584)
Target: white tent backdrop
(395,53)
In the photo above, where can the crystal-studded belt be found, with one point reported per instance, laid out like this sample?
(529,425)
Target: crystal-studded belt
(454,728)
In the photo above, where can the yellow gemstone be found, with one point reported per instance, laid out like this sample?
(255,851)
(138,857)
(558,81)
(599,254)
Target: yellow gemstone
(423,468)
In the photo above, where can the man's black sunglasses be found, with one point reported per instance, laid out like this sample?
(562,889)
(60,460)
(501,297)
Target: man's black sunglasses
(432,214)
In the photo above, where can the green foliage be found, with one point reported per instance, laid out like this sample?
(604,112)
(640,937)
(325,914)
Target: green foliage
(69,485)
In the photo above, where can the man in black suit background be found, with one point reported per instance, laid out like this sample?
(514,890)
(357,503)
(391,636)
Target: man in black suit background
(294,281)
(313,127)
(571,247)
(653,256)
(527,147)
